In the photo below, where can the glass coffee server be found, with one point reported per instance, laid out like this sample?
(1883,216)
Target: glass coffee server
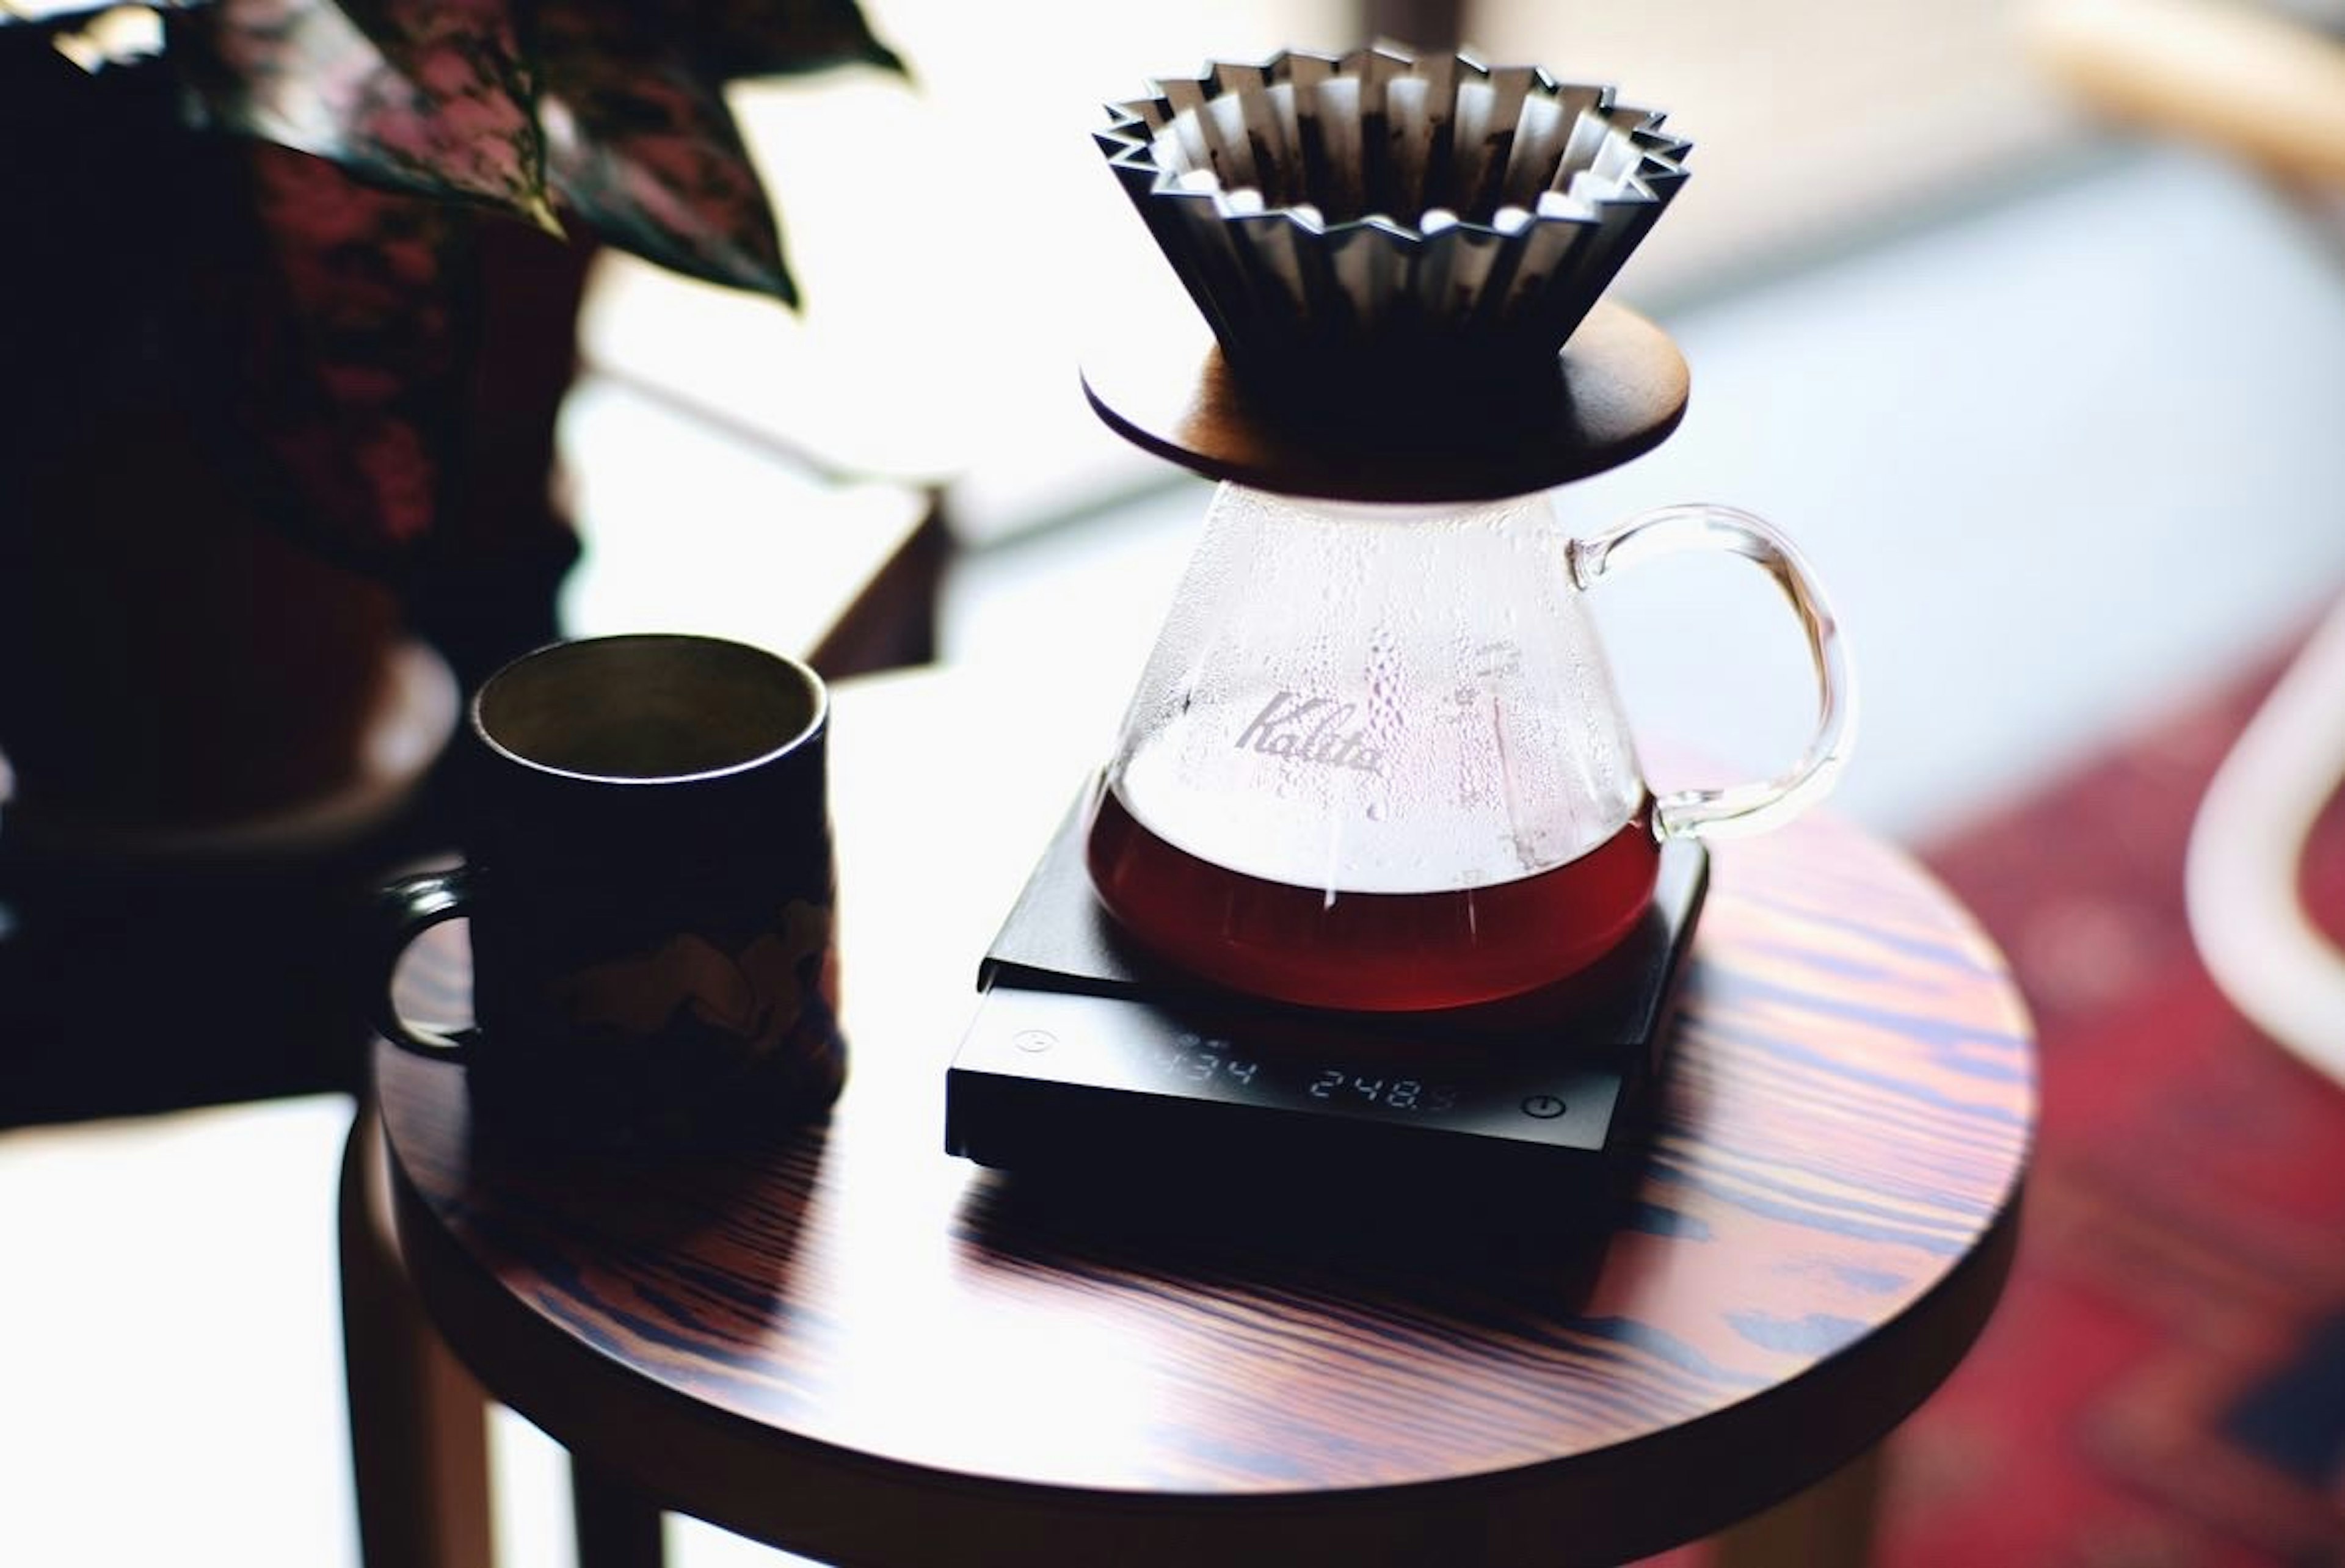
(1375,762)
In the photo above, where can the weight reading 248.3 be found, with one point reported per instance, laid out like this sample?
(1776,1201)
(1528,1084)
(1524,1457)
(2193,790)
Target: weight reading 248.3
(1336,1085)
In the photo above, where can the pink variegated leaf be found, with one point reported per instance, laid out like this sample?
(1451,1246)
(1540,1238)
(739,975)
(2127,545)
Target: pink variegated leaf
(354,380)
(735,38)
(645,152)
(464,55)
(444,111)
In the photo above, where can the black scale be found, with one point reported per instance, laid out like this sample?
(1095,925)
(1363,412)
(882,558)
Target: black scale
(1087,1060)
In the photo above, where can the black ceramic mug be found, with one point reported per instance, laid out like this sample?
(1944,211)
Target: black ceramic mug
(648,874)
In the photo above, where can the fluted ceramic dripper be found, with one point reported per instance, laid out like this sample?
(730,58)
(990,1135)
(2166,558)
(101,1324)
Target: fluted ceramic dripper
(1347,224)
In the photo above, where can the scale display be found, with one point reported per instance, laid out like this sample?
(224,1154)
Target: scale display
(1094,1048)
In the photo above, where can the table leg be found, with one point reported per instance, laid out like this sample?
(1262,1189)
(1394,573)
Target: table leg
(419,1423)
(1829,1526)
(617,1526)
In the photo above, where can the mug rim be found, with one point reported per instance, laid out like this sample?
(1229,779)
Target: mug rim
(812,682)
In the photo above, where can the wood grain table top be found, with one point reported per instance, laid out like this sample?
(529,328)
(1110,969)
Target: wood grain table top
(860,1348)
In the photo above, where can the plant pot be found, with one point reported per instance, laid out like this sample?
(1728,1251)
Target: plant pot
(166,661)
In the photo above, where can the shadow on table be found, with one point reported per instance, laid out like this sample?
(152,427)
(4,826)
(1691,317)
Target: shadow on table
(1378,1237)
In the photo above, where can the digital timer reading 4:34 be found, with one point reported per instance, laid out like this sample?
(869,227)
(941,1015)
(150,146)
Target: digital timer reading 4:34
(1200,1059)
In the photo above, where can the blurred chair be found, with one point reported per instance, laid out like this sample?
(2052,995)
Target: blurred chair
(2259,85)
(2267,88)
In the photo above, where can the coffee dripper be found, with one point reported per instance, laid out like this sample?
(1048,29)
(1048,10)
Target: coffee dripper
(1375,760)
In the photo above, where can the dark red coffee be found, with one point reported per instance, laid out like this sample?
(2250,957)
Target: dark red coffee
(1378,952)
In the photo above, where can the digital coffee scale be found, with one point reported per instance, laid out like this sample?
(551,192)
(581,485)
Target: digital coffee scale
(1087,1060)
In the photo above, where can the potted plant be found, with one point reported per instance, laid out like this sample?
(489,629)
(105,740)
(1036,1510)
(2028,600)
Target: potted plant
(287,297)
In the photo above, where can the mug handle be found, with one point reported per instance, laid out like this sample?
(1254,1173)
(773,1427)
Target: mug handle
(1745,808)
(402,911)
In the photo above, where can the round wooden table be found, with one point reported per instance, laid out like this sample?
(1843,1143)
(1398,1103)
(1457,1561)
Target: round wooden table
(858,1349)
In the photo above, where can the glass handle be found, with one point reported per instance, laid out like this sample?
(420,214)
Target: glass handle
(1748,808)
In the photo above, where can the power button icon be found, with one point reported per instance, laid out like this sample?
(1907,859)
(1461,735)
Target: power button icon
(1545,1107)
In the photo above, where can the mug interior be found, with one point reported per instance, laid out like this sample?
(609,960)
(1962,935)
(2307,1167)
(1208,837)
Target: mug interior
(648,707)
